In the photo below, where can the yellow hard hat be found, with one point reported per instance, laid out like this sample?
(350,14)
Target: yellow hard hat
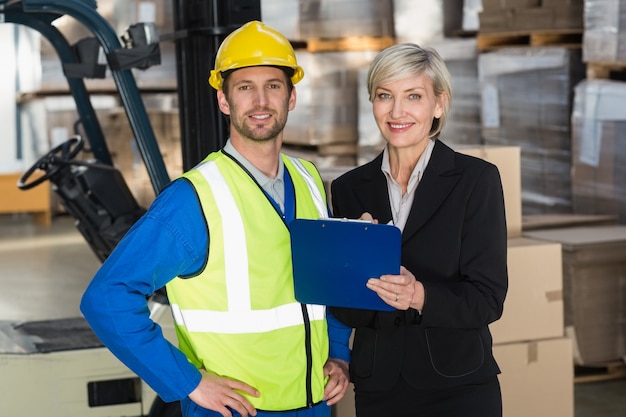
(251,45)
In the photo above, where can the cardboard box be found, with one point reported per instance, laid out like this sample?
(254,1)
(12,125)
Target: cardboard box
(563,17)
(534,304)
(553,221)
(35,200)
(508,161)
(345,18)
(594,283)
(537,378)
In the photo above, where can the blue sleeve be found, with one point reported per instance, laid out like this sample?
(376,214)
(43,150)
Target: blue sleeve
(169,240)
(339,336)
(338,333)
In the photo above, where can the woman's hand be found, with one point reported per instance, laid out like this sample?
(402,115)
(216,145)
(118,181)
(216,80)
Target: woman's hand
(399,291)
(368,217)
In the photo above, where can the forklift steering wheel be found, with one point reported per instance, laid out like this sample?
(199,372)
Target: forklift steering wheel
(52,162)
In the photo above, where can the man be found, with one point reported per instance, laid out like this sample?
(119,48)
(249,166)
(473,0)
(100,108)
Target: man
(218,237)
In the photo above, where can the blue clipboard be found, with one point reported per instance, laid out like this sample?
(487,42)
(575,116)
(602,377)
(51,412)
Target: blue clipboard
(334,258)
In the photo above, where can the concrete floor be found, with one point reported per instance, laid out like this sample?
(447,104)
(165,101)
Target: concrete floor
(45,270)
(600,399)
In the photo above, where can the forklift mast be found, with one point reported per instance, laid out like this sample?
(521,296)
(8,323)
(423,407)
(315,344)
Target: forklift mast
(200,27)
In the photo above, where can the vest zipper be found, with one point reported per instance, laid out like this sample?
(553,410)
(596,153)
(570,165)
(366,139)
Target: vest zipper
(309,356)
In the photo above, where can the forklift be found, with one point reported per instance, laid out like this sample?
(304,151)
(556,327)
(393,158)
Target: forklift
(59,368)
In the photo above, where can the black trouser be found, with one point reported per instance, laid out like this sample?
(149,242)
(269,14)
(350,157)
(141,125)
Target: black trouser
(477,400)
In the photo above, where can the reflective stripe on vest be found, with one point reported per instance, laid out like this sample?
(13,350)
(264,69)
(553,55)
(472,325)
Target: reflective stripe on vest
(251,321)
(315,192)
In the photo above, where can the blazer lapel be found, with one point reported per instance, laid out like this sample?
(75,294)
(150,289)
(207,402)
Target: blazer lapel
(372,191)
(437,182)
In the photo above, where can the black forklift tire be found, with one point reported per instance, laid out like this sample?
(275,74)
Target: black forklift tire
(162,409)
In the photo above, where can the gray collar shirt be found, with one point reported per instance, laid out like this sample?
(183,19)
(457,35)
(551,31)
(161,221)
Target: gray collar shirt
(401,204)
(275,187)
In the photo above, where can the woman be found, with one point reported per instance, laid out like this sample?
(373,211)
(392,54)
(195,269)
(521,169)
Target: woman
(433,355)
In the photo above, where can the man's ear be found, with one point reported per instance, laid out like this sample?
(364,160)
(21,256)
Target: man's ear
(222,102)
(292,99)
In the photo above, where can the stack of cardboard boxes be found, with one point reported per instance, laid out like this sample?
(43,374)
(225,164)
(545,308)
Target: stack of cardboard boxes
(594,300)
(530,345)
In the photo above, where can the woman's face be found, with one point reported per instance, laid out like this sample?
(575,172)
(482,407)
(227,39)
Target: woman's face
(404,110)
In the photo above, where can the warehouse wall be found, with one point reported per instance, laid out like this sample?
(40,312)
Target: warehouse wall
(22,137)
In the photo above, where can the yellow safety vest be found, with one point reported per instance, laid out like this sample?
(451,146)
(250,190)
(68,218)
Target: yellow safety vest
(238,317)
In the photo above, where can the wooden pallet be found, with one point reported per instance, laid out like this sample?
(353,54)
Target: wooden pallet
(600,372)
(606,71)
(352,43)
(570,38)
(326,149)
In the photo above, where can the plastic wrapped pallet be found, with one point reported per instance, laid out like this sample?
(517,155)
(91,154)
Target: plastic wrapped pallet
(326,111)
(527,96)
(461,57)
(333,19)
(419,22)
(599,148)
(283,16)
(471,10)
(605,31)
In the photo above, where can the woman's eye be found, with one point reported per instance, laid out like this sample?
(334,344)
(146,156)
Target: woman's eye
(414,96)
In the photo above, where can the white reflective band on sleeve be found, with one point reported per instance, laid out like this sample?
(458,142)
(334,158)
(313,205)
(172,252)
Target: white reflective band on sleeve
(236,255)
(315,192)
(242,322)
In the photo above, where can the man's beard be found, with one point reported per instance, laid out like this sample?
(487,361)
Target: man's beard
(245,126)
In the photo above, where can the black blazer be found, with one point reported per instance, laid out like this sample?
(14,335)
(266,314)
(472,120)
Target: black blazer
(455,243)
